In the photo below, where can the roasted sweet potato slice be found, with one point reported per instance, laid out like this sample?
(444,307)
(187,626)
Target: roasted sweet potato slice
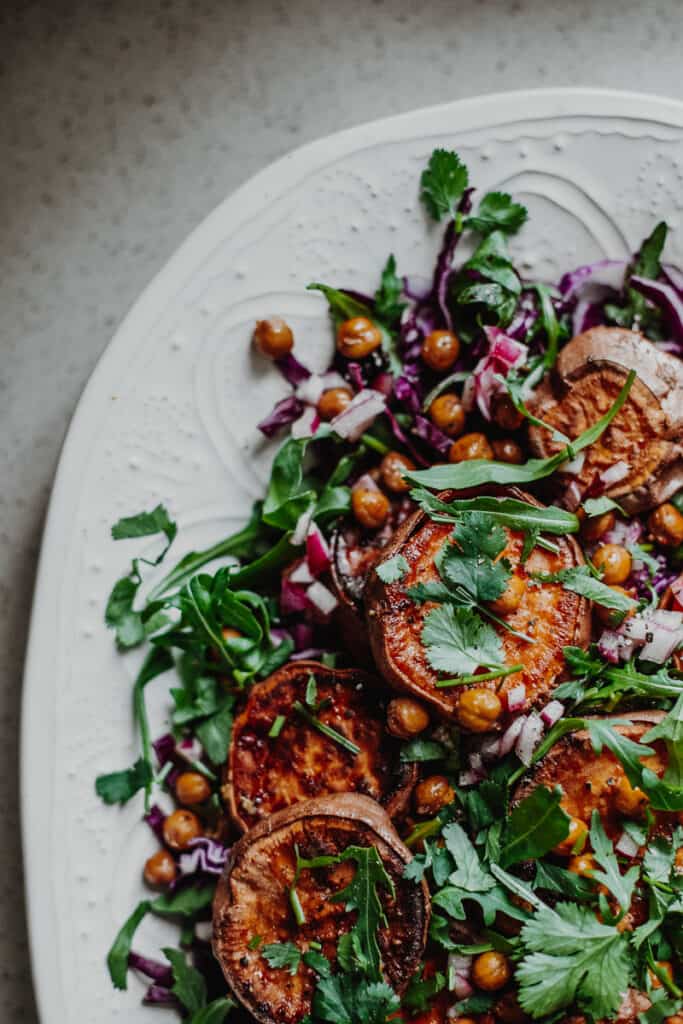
(252,899)
(266,773)
(354,552)
(552,615)
(590,781)
(646,435)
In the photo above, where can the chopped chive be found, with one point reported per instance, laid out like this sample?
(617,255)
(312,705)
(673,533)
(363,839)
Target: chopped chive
(329,660)
(374,443)
(311,690)
(481,677)
(254,942)
(276,727)
(326,730)
(315,945)
(295,904)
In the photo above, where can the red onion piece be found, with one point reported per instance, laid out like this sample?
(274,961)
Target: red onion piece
(292,597)
(511,735)
(365,483)
(504,354)
(359,414)
(573,466)
(490,748)
(627,846)
(615,473)
(552,712)
(307,424)
(301,529)
(322,599)
(516,697)
(317,551)
(384,383)
(572,496)
(532,730)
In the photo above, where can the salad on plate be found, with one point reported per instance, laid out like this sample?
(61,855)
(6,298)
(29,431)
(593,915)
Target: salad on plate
(424,756)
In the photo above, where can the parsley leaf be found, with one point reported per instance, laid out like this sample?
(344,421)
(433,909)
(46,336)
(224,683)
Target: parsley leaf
(457,641)
(393,570)
(119,787)
(571,958)
(442,183)
(388,305)
(282,954)
(189,985)
(535,826)
(497,212)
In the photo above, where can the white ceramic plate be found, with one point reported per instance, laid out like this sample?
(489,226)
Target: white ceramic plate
(170,412)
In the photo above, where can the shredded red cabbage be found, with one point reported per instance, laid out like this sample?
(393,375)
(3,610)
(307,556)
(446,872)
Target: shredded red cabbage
(155,818)
(284,412)
(204,856)
(667,299)
(431,434)
(292,370)
(161,973)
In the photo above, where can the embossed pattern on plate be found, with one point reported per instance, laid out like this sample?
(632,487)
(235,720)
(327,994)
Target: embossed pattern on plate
(169,415)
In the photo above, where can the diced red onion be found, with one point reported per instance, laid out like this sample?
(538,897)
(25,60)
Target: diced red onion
(626,845)
(511,735)
(292,597)
(516,697)
(384,383)
(572,467)
(490,748)
(190,749)
(317,551)
(667,618)
(504,354)
(572,496)
(532,730)
(677,590)
(636,628)
(313,388)
(459,972)
(322,599)
(552,712)
(610,646)
(615,473)
(359,414)
(662,645)
(301,529)
(307,424)
(302,574)
(302,633)
(365,483)
(624,532)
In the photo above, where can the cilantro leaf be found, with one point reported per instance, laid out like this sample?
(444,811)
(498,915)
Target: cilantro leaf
(346,999)
(388,305)
(457,641)
(497,212)
(145,524)
(119,787)
(361,895)
(189,985)
(535,826)
(609,875)
(481,578)
(442,183)
(422,592)
(393,570)
(318,963)
(282,954)
(571,958)
(478,533)
(469,873)
(422,990)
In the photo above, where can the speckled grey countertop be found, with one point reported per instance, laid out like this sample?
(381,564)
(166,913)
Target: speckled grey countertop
(123,124)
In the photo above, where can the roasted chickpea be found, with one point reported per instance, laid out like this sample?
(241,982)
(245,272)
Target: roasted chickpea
(614,561)
(440,349)
(608,616)
(273,338)
(431,794)
(180,828)
(666,525)
(470,446)
(333,401)
(583,864)
(575,840)
(676,1019)
(160,869)
(460,1020)
(511,598)
(406,718)
(678,861)
(490,971)
(228,633)
(358,337)
(666,967)
(593,527)
(370,508)
(448,414)
(192,788)
(391,470)
(507,450)
(505,414)
(479,709)
(629,800)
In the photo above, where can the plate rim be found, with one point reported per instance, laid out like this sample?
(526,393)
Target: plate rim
(524,105)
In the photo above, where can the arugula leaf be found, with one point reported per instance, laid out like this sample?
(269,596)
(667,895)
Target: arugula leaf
(215,732)
(361,895)
(570,958)
(393,570)
(282,954)
(346,999)
(665,794)
(497,212)
(388,305)
(189,985)
(535,826)
(553,879)
(510,512)
(457,641)
(637,311)
(184,903)
(344,306)
(609,875)
(462,475)
(119,787)
(289,495)
(442,183)
(670,729)
(117,958)
(580,580)
(598,506)
(145,524)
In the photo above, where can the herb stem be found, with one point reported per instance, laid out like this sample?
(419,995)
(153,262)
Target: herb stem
(295,904)
(481,677)
(505,625)
(326,730)
(374,443)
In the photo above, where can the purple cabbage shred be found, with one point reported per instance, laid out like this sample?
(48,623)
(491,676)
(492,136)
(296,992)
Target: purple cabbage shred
(155,818)
(292,370)
(152,969)
(285,412)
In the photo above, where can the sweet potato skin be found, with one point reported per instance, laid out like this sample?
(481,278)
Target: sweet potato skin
(266,773)
(395,622)
(252,898)
(647,433)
